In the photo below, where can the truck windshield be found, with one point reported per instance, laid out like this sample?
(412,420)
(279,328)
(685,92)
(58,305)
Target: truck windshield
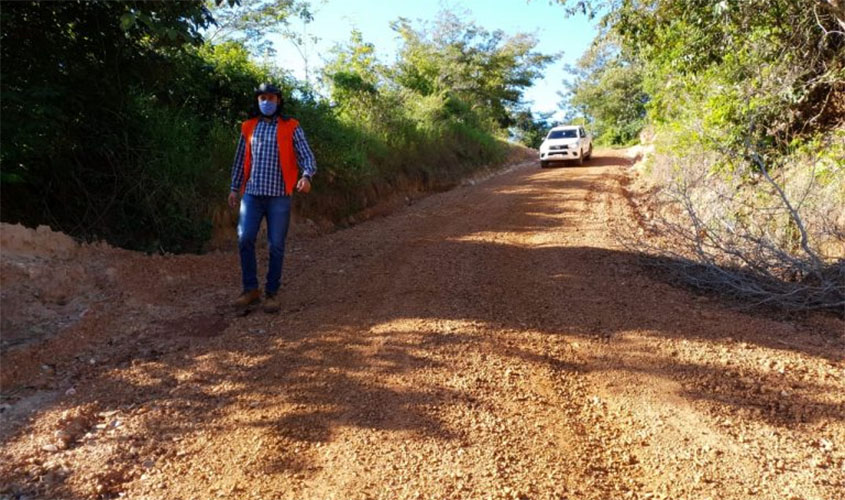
(563,134)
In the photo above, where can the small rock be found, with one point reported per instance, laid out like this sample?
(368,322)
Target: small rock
(825,444)
(50,448)
(70,392)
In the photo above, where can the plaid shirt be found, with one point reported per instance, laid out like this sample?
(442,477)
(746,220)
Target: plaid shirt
(265,178)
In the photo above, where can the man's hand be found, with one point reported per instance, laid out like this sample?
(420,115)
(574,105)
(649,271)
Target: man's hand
(233,200)
(303,186)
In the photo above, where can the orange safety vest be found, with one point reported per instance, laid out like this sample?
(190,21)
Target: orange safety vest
(287,155)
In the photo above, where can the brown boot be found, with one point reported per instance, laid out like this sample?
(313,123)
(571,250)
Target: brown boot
(248,298)
(271,304)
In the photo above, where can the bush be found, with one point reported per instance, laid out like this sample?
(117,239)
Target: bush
(766,234)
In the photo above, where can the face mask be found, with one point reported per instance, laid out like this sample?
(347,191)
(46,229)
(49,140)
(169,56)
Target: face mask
(267,107)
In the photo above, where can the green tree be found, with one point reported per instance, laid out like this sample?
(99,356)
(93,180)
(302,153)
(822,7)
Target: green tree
(250,22)
(776,64)
(355,76)
(486,72)
(530,129)
(112,116)
(608,90)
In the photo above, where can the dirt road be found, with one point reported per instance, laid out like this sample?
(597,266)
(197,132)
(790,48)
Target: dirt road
(493,341)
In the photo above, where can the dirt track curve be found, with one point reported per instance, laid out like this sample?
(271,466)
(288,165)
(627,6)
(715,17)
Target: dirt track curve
(493,341)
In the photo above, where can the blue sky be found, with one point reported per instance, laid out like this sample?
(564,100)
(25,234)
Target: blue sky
(334,19)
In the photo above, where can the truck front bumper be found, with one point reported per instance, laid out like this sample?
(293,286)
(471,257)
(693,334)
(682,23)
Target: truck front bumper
(562,154)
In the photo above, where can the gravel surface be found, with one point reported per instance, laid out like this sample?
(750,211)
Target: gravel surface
(490,342)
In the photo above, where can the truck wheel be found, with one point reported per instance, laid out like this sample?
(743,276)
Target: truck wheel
(581,157)
(544,164)
(590,152)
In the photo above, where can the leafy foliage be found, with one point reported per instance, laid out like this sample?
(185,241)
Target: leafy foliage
(251,22)
(114,119)
(486,72)
(764,71)
(746,99)
(120,120)
(454,89)
(531,129)
(608,88)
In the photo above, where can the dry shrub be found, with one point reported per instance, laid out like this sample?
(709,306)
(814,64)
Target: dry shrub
(770,235)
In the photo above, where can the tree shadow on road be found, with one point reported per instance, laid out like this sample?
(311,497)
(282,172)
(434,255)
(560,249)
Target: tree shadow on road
(369,336)
(599,159)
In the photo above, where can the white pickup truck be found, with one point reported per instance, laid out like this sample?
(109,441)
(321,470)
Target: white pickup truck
(568,142)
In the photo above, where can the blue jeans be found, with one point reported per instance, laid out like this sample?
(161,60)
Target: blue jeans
(277,211)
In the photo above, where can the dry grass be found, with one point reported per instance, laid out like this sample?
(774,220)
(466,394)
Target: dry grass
(766,235)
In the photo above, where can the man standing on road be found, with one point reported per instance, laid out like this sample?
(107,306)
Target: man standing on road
(271,154)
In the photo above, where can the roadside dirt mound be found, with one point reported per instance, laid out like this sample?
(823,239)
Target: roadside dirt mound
(15,239)
(49,282)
